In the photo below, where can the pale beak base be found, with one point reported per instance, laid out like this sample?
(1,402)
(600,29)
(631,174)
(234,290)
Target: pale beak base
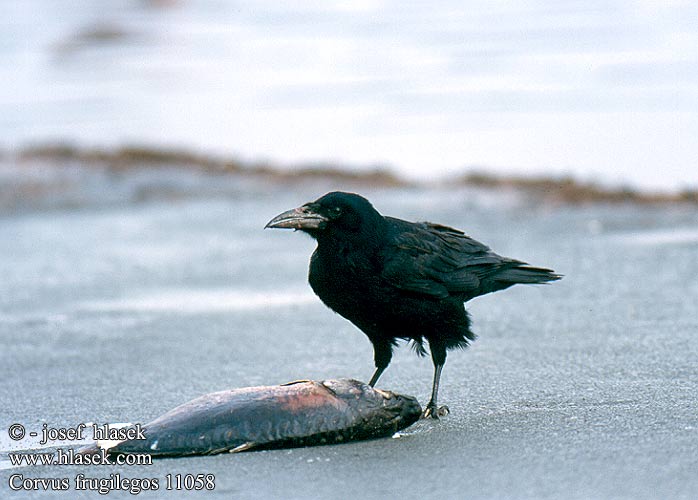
(298,218)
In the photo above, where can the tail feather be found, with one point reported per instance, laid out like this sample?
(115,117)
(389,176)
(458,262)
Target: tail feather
(527,275)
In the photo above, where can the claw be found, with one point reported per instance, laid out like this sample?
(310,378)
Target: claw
(429,413)
(432,411)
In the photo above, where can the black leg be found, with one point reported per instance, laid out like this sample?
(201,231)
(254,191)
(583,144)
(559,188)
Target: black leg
(438,355)
(376,376)
(382,354)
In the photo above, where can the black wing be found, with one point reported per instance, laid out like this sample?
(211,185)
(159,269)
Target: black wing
(438,261)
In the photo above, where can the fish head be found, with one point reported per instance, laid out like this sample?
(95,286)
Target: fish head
(380,408)
(405,410)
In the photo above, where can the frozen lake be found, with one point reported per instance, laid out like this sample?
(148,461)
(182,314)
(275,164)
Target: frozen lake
(587,388)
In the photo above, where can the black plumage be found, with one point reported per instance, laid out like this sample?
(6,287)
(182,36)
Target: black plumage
(401,280)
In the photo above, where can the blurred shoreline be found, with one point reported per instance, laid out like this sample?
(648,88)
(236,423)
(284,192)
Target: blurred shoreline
(54,175)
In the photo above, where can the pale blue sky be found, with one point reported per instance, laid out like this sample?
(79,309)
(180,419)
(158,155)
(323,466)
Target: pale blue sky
(605,90)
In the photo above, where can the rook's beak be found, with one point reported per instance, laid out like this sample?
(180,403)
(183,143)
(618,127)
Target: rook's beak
(298,218)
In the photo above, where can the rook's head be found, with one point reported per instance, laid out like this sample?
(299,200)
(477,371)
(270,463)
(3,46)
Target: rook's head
(336,211)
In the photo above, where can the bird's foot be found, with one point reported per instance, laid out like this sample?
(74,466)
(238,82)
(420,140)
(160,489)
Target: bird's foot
(432,411)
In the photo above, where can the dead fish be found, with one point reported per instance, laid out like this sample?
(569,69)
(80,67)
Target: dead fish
(301,413)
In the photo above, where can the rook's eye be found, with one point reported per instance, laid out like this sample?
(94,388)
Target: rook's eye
(336,210)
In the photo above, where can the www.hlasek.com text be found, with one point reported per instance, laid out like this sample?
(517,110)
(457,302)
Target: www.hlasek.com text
(71,457)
